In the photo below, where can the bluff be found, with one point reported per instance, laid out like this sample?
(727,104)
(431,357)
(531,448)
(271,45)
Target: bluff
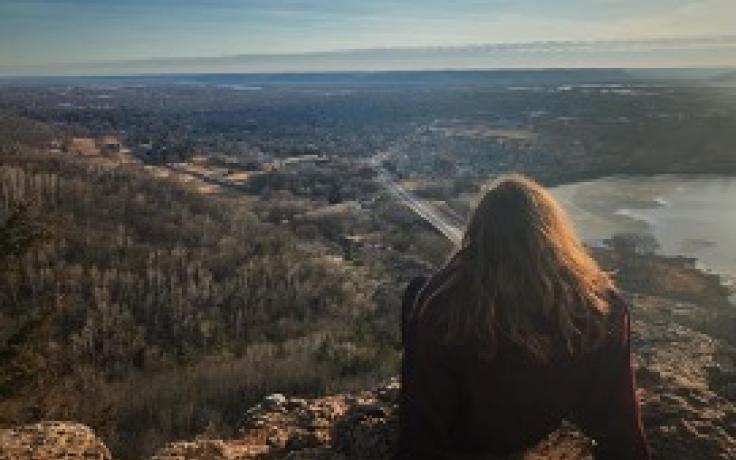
(686,381)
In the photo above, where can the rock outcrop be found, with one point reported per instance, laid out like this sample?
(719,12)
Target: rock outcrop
(357,426)
(684,416)
(52,440)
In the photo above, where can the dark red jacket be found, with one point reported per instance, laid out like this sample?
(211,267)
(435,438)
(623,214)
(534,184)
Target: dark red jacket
(454,404)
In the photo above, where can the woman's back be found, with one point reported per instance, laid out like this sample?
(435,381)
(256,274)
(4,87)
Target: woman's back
(469,390)
(513,401)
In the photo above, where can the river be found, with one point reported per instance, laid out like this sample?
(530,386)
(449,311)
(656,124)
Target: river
(693,216)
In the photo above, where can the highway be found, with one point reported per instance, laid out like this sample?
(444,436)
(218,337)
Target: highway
(448,224)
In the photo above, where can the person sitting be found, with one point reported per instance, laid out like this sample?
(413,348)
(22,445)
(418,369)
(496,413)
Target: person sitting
(519,330)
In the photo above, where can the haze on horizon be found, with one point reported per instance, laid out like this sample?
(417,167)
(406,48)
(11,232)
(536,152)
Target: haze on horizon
(47,37)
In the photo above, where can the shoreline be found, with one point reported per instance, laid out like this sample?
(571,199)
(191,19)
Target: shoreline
(641,207)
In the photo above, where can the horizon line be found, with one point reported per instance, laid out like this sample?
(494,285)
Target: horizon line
(726,68)
(375,59)
(727,40)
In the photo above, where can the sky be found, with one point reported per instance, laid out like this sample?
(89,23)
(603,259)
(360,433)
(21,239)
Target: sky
(99,36)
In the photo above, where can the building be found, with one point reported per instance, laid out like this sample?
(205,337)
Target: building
(84,146)
(109,144)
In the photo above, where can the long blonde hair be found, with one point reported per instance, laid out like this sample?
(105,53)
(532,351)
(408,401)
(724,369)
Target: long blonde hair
(521,271)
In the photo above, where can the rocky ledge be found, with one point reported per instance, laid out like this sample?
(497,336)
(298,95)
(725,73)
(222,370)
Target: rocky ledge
(52,440)
(685,376)
(350,426)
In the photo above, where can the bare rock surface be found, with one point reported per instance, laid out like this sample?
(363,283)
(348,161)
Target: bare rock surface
(684,416)
(359,425)
(52,440)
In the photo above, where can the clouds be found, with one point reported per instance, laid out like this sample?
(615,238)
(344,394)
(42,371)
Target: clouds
(37,32)
(668,53)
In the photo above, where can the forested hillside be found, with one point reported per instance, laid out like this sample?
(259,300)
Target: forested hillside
(152,312)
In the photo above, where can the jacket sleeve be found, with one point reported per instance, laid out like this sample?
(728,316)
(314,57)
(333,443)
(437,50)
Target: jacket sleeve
(429,396)
(610,414)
